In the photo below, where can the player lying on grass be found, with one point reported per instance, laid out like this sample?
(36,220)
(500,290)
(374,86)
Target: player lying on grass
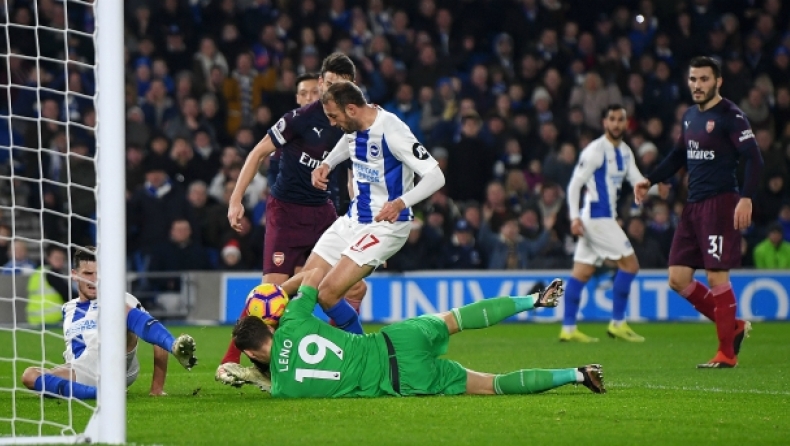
(79,376)
(309,358)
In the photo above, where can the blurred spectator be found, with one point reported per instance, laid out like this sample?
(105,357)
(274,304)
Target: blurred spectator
(738,78)
(178,253)
(137,131)
(470,163)
(647,250)
(207,58)
(80,196)
(647,157)
(558,167)
(756,108)
(516,190)
(508,249)
(551,204)
(245,239)
(153,208)
(184,167)
(230,257)
(659,226)
(428,69)
(407,109)
(534,176)
(231,173)
(462,251)
(18,262)
(48,288)
(773,252)
(209,217)
(770,198)
(187,121)
(593,97)
(243,91)
(421,251)
(157,106)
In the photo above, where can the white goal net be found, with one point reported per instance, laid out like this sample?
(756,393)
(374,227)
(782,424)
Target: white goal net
(56,78)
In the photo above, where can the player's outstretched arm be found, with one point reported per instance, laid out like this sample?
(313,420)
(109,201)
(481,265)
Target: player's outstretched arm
(258,154)
(160,371)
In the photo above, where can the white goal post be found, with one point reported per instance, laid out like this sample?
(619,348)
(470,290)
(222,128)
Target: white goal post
(107,424)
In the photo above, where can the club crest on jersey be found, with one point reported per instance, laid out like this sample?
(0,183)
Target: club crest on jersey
(374,151)
(280,125)
(710,125)
(278,258)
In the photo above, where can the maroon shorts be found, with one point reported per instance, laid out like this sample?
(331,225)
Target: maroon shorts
(706,237)
(291,232)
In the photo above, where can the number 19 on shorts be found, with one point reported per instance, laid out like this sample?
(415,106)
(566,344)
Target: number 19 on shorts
(716,246)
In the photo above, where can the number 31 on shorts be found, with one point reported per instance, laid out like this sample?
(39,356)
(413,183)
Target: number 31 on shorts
(716,246)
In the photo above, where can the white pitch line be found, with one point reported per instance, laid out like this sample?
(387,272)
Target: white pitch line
(700,389)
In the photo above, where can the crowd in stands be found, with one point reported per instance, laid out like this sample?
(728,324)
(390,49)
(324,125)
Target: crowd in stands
(504,93)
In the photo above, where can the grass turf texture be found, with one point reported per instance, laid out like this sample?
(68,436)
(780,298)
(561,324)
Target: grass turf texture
(656,396)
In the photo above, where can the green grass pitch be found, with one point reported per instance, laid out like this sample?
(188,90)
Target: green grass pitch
(656,396)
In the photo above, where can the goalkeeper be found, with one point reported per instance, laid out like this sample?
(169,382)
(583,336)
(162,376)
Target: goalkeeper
(308,358)
(79,376)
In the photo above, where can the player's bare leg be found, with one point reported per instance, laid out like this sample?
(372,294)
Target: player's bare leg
(627,268)
(580,275)
(336,284)
(527,381)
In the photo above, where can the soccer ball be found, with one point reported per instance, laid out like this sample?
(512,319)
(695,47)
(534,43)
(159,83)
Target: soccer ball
(267,301)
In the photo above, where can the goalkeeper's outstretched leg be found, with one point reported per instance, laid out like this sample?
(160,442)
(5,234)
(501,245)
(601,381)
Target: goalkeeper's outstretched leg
(488,312)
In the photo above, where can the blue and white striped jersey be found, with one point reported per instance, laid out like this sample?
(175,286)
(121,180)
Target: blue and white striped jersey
(602,168)
(81,327)
(385,158)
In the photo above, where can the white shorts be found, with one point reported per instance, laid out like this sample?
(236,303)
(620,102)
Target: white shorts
(369,244)
(603,239)
(86,368)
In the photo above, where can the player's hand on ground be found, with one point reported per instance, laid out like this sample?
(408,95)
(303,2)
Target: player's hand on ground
(235,212)
(577,227)
(391,210)
(320,177)
(640,190)
(550,296)
(743,214)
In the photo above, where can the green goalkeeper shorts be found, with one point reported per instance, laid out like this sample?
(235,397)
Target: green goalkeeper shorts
(418,343)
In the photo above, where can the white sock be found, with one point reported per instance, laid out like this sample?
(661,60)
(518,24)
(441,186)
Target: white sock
(568,328)
(617,323)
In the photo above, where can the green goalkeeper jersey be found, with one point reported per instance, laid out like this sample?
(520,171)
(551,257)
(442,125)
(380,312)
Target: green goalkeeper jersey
(310,358)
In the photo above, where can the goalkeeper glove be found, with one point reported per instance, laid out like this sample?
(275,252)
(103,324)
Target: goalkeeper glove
(235,375)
